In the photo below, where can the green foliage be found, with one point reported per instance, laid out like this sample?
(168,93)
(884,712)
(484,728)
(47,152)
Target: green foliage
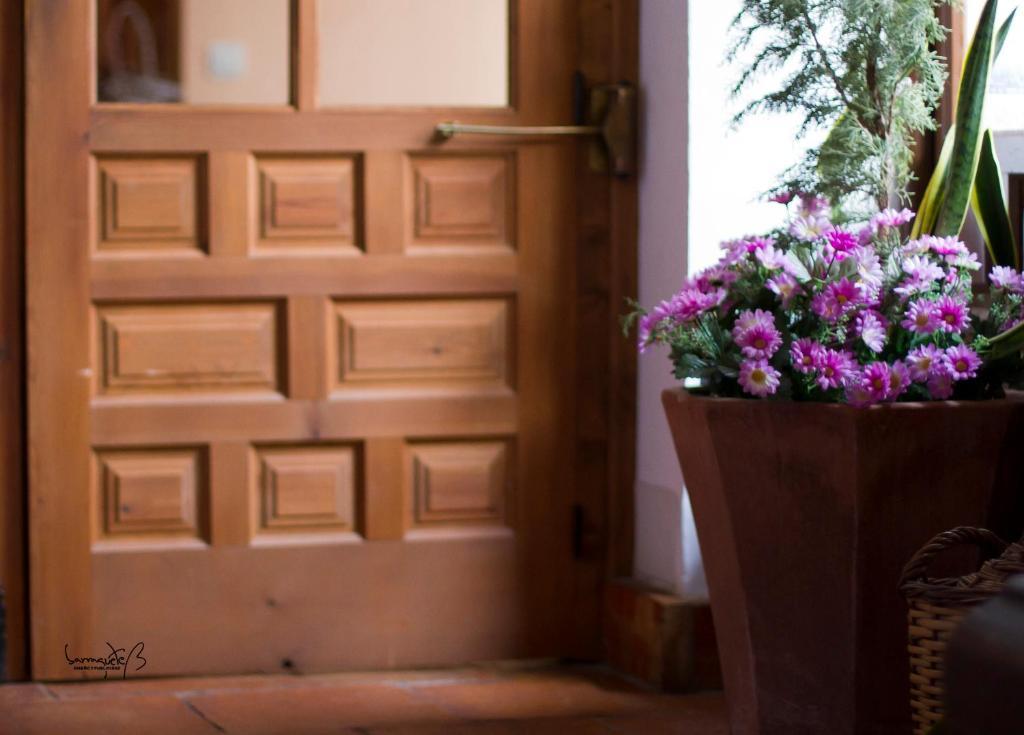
(963,161)
(867,69)
(988,200)
(968,170)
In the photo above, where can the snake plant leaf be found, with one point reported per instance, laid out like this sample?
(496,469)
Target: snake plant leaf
(988,200)
(963,163)
(1004,31)
(928,210)
(1007,343)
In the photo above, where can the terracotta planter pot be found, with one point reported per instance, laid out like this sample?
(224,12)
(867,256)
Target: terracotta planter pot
(806,514)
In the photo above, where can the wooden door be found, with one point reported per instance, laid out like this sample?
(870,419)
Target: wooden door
(301,379)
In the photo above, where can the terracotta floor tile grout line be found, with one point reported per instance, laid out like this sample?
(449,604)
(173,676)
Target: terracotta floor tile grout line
(202,715)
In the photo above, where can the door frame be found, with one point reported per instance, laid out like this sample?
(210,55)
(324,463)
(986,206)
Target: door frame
(604,390)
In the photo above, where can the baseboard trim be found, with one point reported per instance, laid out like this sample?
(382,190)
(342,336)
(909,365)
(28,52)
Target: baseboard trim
(659,638)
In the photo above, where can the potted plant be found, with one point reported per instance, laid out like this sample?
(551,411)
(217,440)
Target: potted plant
(845,395)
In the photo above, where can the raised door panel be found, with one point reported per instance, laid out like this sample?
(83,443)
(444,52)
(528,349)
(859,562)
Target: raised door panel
(422,343)
(307,488)
(187,348)
(150,496)
(457,483)
(308,205)
(150,206)
(461,202)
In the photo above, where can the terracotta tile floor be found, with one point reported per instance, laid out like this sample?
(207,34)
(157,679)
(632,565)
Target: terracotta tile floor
(480,700)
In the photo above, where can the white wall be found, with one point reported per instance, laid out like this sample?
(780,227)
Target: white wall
(700,183)
(659,556)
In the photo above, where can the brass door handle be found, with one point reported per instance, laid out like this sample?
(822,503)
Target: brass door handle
(448,130)
(611,121)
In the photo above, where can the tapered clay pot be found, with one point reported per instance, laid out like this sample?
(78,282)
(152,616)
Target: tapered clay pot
(806,514)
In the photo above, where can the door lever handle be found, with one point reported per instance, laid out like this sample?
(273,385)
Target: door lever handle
(448,130)
(611,122)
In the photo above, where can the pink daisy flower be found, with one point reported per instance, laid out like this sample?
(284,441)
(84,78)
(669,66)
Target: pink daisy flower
(837,299)
(759,342)
(921,269)
(899,380)
(758,378)
(892,218)
(940,386)
(1005,278)
(924,362)
(804,354)
(809,228)
(869,266)
(877,381)
(858,394)
(747,319)
(834,369)
(945,246)
(812,205)
(922,317)
(961,362)
(871,327)
(785,287)
(840,243)
(953,316)
(754,244)
(771,258)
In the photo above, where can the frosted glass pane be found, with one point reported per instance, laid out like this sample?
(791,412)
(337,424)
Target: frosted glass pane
(193,51)
(414,52)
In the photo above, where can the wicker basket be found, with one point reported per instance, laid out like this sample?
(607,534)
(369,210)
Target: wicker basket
(938,605)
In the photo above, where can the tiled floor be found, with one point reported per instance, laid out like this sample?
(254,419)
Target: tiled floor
(484,700)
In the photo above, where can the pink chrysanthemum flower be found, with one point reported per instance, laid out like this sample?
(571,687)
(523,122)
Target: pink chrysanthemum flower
(917,247)
(945,246)
(872,327)
(839,244)
(924,362)
(759,342)
(748,319)
(962,362)
(785,287)
(773,259)
(804,355)
(891,218)
(841,241)
(922,269)
(922,317)
(758,378)
(833,368)
(809,228)
(754,244)
(966,261)
(899,380)
(783,197)
(812,205)
(869,267)
(837,299)
(858,394)
(953,315)
(1005,278)
(940,386)
(876,381)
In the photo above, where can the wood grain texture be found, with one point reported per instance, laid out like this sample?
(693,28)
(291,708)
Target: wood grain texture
(57,172)
(304,40)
